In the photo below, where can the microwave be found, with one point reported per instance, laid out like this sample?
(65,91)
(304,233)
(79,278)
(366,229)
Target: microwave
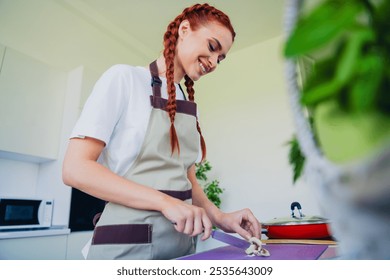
(25,213)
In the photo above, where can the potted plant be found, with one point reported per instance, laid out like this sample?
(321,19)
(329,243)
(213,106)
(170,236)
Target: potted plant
(211,189)
(341,108)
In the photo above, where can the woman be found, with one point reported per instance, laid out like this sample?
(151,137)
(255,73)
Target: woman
(136,143)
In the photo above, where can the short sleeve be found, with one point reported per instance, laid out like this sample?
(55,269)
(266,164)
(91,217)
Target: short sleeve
(104,106)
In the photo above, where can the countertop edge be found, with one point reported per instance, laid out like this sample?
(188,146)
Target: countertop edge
(34,233)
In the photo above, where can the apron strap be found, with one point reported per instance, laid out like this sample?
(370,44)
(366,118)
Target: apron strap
(156,81)
(183,106)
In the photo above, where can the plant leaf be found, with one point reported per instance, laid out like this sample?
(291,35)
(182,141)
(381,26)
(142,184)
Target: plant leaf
(317,29)
(321,92)
(349,60)
(296,158)
(212,189)
(365,88)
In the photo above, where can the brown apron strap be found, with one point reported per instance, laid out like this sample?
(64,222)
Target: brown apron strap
(182,106)
(156,81)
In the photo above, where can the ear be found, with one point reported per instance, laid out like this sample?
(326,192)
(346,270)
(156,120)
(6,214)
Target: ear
(184,28)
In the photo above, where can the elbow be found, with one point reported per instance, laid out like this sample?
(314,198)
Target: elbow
(68,175)
(66,178)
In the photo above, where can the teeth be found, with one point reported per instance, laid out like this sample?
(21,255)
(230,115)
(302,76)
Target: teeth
(202,67)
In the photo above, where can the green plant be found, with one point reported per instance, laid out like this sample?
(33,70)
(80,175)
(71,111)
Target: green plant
(355,72)
(295,158)
(350,41)
(211,189)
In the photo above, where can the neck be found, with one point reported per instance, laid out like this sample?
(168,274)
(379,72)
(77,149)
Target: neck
(162,69)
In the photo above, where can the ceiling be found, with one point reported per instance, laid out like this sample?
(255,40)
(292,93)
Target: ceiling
(145,21)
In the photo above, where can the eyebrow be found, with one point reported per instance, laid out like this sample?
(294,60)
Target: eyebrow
(218,43)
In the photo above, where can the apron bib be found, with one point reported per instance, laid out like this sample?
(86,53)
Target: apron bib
(127,233)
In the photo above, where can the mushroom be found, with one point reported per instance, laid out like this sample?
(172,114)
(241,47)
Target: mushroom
(256,248)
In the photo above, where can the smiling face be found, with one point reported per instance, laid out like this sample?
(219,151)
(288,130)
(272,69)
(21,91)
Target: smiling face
(199,51)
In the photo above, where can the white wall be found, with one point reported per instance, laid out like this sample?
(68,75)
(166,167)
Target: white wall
(56,33)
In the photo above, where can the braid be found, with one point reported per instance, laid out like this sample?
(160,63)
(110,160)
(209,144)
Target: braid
(198,14)
(170,39)
(190,90)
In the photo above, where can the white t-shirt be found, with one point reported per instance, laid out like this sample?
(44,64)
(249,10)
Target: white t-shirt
(117,113)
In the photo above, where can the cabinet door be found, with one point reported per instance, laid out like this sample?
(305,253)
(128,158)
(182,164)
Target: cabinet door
(31,106)
(34,248)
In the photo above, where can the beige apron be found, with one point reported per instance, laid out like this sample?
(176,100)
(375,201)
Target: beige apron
(127,233)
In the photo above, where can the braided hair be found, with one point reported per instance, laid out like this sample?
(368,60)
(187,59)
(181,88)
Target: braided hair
(198,14)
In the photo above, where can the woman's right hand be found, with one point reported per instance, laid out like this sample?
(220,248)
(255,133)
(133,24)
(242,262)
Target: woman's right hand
(187,218)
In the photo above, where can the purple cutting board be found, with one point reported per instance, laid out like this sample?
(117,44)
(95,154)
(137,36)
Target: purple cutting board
(277,251)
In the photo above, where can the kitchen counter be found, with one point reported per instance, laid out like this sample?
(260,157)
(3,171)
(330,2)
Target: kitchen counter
(23,233)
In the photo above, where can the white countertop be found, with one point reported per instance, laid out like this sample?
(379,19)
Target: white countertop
(54,230)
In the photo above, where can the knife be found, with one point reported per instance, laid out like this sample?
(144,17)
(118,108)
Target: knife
(247,246)
(230,239)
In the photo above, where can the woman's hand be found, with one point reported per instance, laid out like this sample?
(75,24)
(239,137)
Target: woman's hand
(242,222)
(188,219)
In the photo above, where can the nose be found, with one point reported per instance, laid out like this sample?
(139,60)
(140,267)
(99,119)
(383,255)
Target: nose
(213,62)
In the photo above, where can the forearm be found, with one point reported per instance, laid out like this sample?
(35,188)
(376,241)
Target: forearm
(200,199)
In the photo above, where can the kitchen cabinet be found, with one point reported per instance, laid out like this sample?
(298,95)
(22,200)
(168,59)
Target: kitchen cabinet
(53,244)
(76,242)
(34,248)
(31,107)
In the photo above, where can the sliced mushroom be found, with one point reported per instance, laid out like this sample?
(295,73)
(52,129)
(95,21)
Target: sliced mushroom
(251,249)
(256,248)
(263,252)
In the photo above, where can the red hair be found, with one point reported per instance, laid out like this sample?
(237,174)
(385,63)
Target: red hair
(198,14)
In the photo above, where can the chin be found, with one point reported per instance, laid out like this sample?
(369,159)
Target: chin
(194,77)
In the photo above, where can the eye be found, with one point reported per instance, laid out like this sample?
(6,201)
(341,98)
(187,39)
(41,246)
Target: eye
(211,47)
(215,46)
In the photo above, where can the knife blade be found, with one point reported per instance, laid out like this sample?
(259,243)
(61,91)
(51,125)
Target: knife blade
(230,239)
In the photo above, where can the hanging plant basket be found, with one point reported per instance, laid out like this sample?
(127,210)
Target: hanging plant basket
(353,184)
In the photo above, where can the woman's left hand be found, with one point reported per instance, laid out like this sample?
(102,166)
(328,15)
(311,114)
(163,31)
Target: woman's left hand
(242,222)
